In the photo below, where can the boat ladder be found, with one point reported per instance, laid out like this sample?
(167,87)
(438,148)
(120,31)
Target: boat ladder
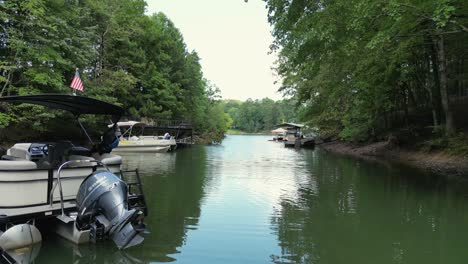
(136,196)
(5,258)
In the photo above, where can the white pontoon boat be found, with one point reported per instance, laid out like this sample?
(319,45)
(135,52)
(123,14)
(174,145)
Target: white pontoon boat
(134,140)
(83,190)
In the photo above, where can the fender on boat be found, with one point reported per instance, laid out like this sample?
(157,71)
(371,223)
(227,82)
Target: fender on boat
(20,236)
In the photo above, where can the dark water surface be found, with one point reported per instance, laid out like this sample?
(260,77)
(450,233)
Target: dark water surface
(253,201)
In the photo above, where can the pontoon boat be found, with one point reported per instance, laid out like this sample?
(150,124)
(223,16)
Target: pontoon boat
(85,191)
(133,139)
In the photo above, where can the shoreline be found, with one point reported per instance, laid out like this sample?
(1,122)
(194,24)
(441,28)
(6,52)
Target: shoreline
(436,162)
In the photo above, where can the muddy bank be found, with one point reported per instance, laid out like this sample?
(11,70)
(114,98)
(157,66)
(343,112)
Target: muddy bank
(437,162)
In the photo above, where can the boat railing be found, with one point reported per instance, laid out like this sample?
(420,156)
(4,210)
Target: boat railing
(59,182)
(169,123)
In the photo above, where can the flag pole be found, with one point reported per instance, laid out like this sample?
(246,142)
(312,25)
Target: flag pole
(74,90)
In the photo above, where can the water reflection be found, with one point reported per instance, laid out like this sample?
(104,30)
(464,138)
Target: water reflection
(253,201)
(26,254)
(173,184)
(62,251)
(150,163)
(352,211)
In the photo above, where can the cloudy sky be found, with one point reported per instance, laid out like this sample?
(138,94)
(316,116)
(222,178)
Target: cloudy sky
(232,38)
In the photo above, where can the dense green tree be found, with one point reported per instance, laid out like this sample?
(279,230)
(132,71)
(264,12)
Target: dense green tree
(260,115)
(364,67)
(125,57)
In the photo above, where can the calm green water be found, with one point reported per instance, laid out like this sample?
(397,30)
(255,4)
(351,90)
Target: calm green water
(253,201)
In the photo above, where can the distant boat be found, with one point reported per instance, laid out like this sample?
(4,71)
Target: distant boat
(294,136)
(279,134)
(134,140)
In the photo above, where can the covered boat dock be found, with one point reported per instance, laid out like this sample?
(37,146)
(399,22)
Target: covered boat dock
(294,136)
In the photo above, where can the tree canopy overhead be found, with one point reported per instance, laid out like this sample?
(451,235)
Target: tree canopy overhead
(364,67)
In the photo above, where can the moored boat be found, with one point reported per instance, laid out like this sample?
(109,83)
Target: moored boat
(133,139)
(60,181)
(294,136)
(279,134)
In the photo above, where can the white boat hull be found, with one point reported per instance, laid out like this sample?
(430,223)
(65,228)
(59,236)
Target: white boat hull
(29,191)
(146,144)
(141,148)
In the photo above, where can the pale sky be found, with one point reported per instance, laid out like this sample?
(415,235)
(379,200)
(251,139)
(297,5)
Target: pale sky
(232,39)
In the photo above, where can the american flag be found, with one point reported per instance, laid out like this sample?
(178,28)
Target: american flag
(76,83)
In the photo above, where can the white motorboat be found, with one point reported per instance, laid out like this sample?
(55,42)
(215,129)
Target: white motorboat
(133,139)
(44,180)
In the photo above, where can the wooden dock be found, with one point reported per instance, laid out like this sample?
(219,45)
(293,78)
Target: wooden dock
(300,142)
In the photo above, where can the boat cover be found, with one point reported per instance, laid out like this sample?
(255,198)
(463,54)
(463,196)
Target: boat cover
(75,104)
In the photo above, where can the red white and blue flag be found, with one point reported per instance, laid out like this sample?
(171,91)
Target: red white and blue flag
(76,83)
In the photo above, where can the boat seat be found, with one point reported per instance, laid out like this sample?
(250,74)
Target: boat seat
(10,157)
(80,157)
(109,159)
(19,150)
(17,165)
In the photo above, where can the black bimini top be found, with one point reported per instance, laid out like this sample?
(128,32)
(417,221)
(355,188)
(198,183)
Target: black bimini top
(75,104)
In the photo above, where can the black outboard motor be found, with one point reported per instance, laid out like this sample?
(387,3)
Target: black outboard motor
(103,208)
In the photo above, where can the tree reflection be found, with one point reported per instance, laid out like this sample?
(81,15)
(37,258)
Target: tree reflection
(60,250)
(174,186)
(173,198)
(354,211)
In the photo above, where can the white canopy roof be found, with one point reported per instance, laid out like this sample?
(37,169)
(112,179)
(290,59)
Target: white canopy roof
(278,131)
(290,125)
(128,124)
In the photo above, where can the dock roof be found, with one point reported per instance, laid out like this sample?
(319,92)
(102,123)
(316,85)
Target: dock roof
(290,125)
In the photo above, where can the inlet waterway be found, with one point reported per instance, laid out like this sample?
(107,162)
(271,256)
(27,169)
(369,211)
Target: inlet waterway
(250,200)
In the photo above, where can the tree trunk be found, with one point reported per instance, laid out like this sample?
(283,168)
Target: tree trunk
(431,87)
(443,78)
(7,83)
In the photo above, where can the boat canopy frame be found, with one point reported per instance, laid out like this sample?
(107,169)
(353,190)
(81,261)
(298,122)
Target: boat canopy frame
(77,105)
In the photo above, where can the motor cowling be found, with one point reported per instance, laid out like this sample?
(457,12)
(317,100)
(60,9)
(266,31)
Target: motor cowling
(102,201)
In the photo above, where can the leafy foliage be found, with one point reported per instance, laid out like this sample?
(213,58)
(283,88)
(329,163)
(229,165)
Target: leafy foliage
(260,115)
(125,57)
(366,67)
